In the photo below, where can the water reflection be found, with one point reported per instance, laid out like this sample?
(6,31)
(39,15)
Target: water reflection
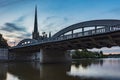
(87,62)
(86,69)
(24,71)
(97,69)
(54,72)
(3,71)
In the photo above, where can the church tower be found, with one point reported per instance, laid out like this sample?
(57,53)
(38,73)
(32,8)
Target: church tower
(35,34)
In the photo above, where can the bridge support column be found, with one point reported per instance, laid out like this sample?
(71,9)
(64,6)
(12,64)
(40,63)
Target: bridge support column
(54,56)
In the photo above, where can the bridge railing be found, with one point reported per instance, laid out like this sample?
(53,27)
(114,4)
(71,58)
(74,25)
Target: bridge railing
(89,32)
(79,34)
(85,33)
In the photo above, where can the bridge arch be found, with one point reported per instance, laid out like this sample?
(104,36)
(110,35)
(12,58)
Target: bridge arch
(26,41)
(104,22)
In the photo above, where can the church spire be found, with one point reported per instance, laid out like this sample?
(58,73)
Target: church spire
(35,21)
(35,34)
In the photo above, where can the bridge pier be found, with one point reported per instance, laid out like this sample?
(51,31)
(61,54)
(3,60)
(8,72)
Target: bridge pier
(54,56)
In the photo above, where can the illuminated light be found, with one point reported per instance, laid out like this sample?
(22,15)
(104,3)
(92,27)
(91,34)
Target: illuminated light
(11,77)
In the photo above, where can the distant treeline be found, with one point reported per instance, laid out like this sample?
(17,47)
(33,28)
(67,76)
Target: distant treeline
(3,42)
(112,56)
(84,53)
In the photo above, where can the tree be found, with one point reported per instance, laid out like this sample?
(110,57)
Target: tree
(3,42)
(101,54)
(87,54)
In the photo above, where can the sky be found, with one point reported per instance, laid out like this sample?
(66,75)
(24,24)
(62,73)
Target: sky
(17,16)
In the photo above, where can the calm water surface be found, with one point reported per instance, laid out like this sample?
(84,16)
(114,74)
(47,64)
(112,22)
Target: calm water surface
(86,69)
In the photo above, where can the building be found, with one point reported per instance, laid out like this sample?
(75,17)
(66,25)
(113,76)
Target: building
(35,34)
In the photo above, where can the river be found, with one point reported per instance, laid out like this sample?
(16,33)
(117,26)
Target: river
(85,69)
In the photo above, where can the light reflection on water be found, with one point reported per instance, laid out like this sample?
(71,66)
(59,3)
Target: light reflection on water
(102,68)
(86,69)
(11,77)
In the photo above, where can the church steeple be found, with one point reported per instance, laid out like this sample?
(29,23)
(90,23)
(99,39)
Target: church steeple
(35,21)
(35,34)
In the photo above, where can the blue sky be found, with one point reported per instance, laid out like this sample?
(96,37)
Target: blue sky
(17,16)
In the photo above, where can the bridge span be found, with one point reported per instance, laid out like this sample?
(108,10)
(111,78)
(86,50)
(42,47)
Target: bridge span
(84,35)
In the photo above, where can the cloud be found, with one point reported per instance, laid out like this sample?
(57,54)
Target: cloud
(20,19)
(49,25)
(115,10)
(4,3)
(54,22)
(15,25)
(27,34)
(24,35)
(112,50)
(49,18)
(12,27)
(7,3)
(20,35)
(66,19)
(56,18)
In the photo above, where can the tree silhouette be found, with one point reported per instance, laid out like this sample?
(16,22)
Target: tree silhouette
(3,42)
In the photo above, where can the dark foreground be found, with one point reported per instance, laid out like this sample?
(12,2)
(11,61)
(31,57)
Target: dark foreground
(86,69)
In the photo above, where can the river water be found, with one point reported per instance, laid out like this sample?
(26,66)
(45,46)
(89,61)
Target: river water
(86,69)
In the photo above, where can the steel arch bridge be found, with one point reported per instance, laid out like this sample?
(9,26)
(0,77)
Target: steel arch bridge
(94,23)
(87,29)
